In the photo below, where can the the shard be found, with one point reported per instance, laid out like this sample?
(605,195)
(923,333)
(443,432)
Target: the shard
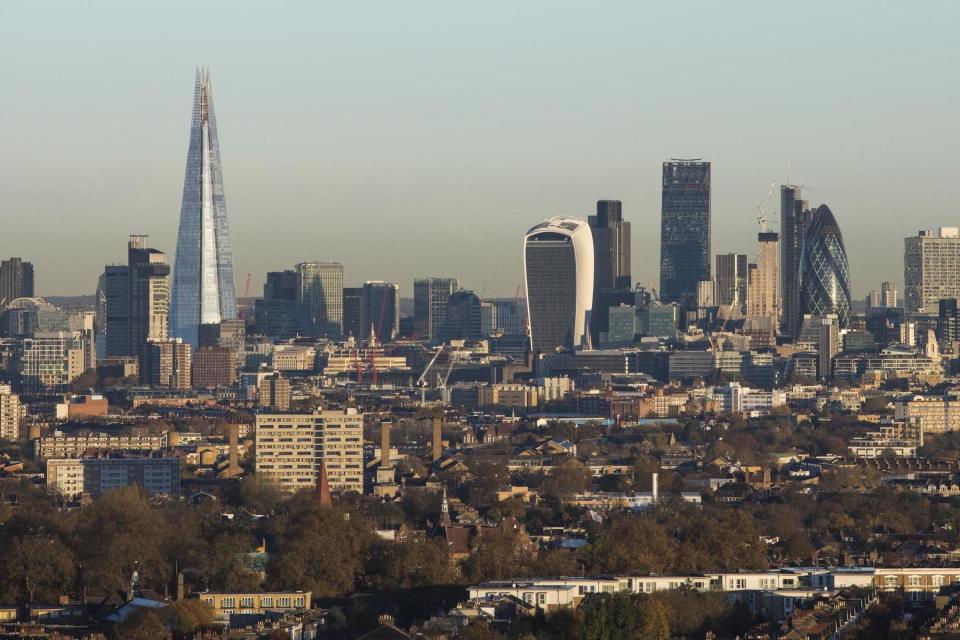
(203,287)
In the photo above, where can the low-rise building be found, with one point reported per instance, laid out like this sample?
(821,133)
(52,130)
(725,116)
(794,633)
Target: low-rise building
(225,604)
(73,477)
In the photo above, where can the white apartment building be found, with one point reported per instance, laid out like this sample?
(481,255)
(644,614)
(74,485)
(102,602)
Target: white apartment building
(76,445)
(931,269)
(11,413)
(72,477)
(290,448)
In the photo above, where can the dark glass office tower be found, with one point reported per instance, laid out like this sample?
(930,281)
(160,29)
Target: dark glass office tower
(684,230)
(611,270)
(793,222)
(380,310)
(203,288)
(353,311)
(462,321)
(430,297)
(824,271)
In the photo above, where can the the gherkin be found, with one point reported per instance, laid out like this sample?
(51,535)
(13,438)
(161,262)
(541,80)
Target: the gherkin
(824,270)
(203,288)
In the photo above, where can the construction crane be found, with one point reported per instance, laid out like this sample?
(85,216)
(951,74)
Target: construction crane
(761,214)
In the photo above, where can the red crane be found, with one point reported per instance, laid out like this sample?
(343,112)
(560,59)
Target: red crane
(246,299)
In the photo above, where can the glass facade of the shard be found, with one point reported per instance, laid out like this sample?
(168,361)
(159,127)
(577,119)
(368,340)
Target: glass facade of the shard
(824,271)
(203,287)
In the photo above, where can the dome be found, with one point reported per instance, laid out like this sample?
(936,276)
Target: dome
(824,272)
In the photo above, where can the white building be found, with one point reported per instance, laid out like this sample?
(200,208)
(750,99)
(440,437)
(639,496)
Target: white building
(931,269)
(11,413)
(72,477)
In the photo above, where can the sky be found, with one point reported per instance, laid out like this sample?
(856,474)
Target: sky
(423,138)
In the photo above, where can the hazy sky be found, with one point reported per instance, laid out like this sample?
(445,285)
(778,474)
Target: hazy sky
(423,138)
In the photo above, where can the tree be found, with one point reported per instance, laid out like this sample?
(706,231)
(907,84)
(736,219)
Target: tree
(142,624)
(498,553)
(632,545)
(318,548)
(652,619)
(37,568)
(403,565)
(188,616)
(566,479)
(610,616)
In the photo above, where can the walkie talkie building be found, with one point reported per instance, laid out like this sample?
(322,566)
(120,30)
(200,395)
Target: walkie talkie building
(203,288)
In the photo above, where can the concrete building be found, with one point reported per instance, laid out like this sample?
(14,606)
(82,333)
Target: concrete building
(931,269)
(76,445)
(763,286)
(320,294)
(72,477)
(294,357)
(137,303)
(508,396)
(16,280)
(11,413)
(290,449)
(274,392)
(49,362)
(168,364)
(933,414)
(214,367)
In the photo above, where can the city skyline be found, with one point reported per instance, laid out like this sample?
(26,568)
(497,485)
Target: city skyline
(850,155)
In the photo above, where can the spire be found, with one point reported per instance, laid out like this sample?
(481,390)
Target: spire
(445,510)
(323,487)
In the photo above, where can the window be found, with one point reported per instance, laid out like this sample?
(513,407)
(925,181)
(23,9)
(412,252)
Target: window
(890,581)
(541,598)
(246,602)
(300,602)
(228,603)
(266,602)
(283,602)
(914,581)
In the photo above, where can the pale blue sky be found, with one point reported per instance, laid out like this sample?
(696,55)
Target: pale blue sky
(423,138)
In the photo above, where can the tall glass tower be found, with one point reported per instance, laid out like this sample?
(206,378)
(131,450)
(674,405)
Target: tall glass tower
(824,272)
(684,230)
(203,288)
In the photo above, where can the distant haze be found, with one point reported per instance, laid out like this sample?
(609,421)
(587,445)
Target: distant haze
(408,139)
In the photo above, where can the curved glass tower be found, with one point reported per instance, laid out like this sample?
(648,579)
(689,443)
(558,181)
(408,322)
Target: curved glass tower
(203,288)
(824,271)
(558,267)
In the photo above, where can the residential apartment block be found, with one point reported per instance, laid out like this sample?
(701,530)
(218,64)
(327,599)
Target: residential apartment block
(73,477)
(291,447)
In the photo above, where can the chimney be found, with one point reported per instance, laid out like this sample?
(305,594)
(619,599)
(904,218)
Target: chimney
(180,590)
(323,487)
(654,488)
(234,457)
(437,443)
(385,444)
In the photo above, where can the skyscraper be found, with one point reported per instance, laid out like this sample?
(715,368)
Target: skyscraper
(793,222)
(203,287)
(731,289)
(611,270)
(684,230)
(558,267)
(824,272)
(888,294)
(931,269)
(380,310)
(16,280)
(137,299)
(430,297)
(320,293)
(353,311)
(462,317)
(763,296)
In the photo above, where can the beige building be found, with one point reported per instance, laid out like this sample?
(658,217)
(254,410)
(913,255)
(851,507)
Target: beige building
(294,358)
(168,364)
(11,414)
(763,283)
(935,414)
(931,269)
(225,604)
(290,448)
(515,396)
(274,392)
(59,445)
